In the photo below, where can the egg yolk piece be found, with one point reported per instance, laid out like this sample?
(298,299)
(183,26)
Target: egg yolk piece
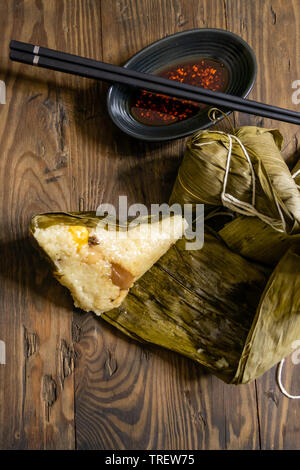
(80,235)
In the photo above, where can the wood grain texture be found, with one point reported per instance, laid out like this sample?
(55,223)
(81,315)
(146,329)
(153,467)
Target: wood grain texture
(37,396)
(71,380)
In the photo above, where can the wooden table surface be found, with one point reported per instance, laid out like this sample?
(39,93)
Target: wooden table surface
(71,380)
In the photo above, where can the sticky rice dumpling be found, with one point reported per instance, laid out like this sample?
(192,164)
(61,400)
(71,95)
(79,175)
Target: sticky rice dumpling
(256,240)
(97,262)
(242,171)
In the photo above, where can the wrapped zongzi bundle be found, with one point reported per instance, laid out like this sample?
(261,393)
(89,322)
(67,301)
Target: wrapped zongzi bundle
(243,171)
(276,327)
(98,262)
(254,239)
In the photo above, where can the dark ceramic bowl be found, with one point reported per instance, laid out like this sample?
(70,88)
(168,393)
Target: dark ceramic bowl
(225,46)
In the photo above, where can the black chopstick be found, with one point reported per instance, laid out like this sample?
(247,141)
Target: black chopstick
(66,57)
(179,91)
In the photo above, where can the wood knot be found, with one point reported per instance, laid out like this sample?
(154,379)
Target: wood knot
(66,361)
(110,364)
(76,332)
(49,394)
(30,343)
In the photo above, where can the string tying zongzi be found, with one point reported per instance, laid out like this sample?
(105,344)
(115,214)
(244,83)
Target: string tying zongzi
(243,171)
(235,204)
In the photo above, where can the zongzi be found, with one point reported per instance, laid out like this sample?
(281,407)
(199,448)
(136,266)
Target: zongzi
(97,262)
(243,171)
(256,240)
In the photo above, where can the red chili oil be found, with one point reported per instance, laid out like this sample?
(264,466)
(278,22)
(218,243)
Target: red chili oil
(156,109)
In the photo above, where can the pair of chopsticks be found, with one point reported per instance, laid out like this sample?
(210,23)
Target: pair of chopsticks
(89,68)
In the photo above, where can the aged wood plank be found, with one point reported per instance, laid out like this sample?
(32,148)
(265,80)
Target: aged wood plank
(60,151)
(37,388)
(279,416)
(130,396)
(274,34)
(272,29)
(140,397)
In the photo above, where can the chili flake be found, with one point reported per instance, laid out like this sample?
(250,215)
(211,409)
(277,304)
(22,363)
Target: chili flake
(157,109)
